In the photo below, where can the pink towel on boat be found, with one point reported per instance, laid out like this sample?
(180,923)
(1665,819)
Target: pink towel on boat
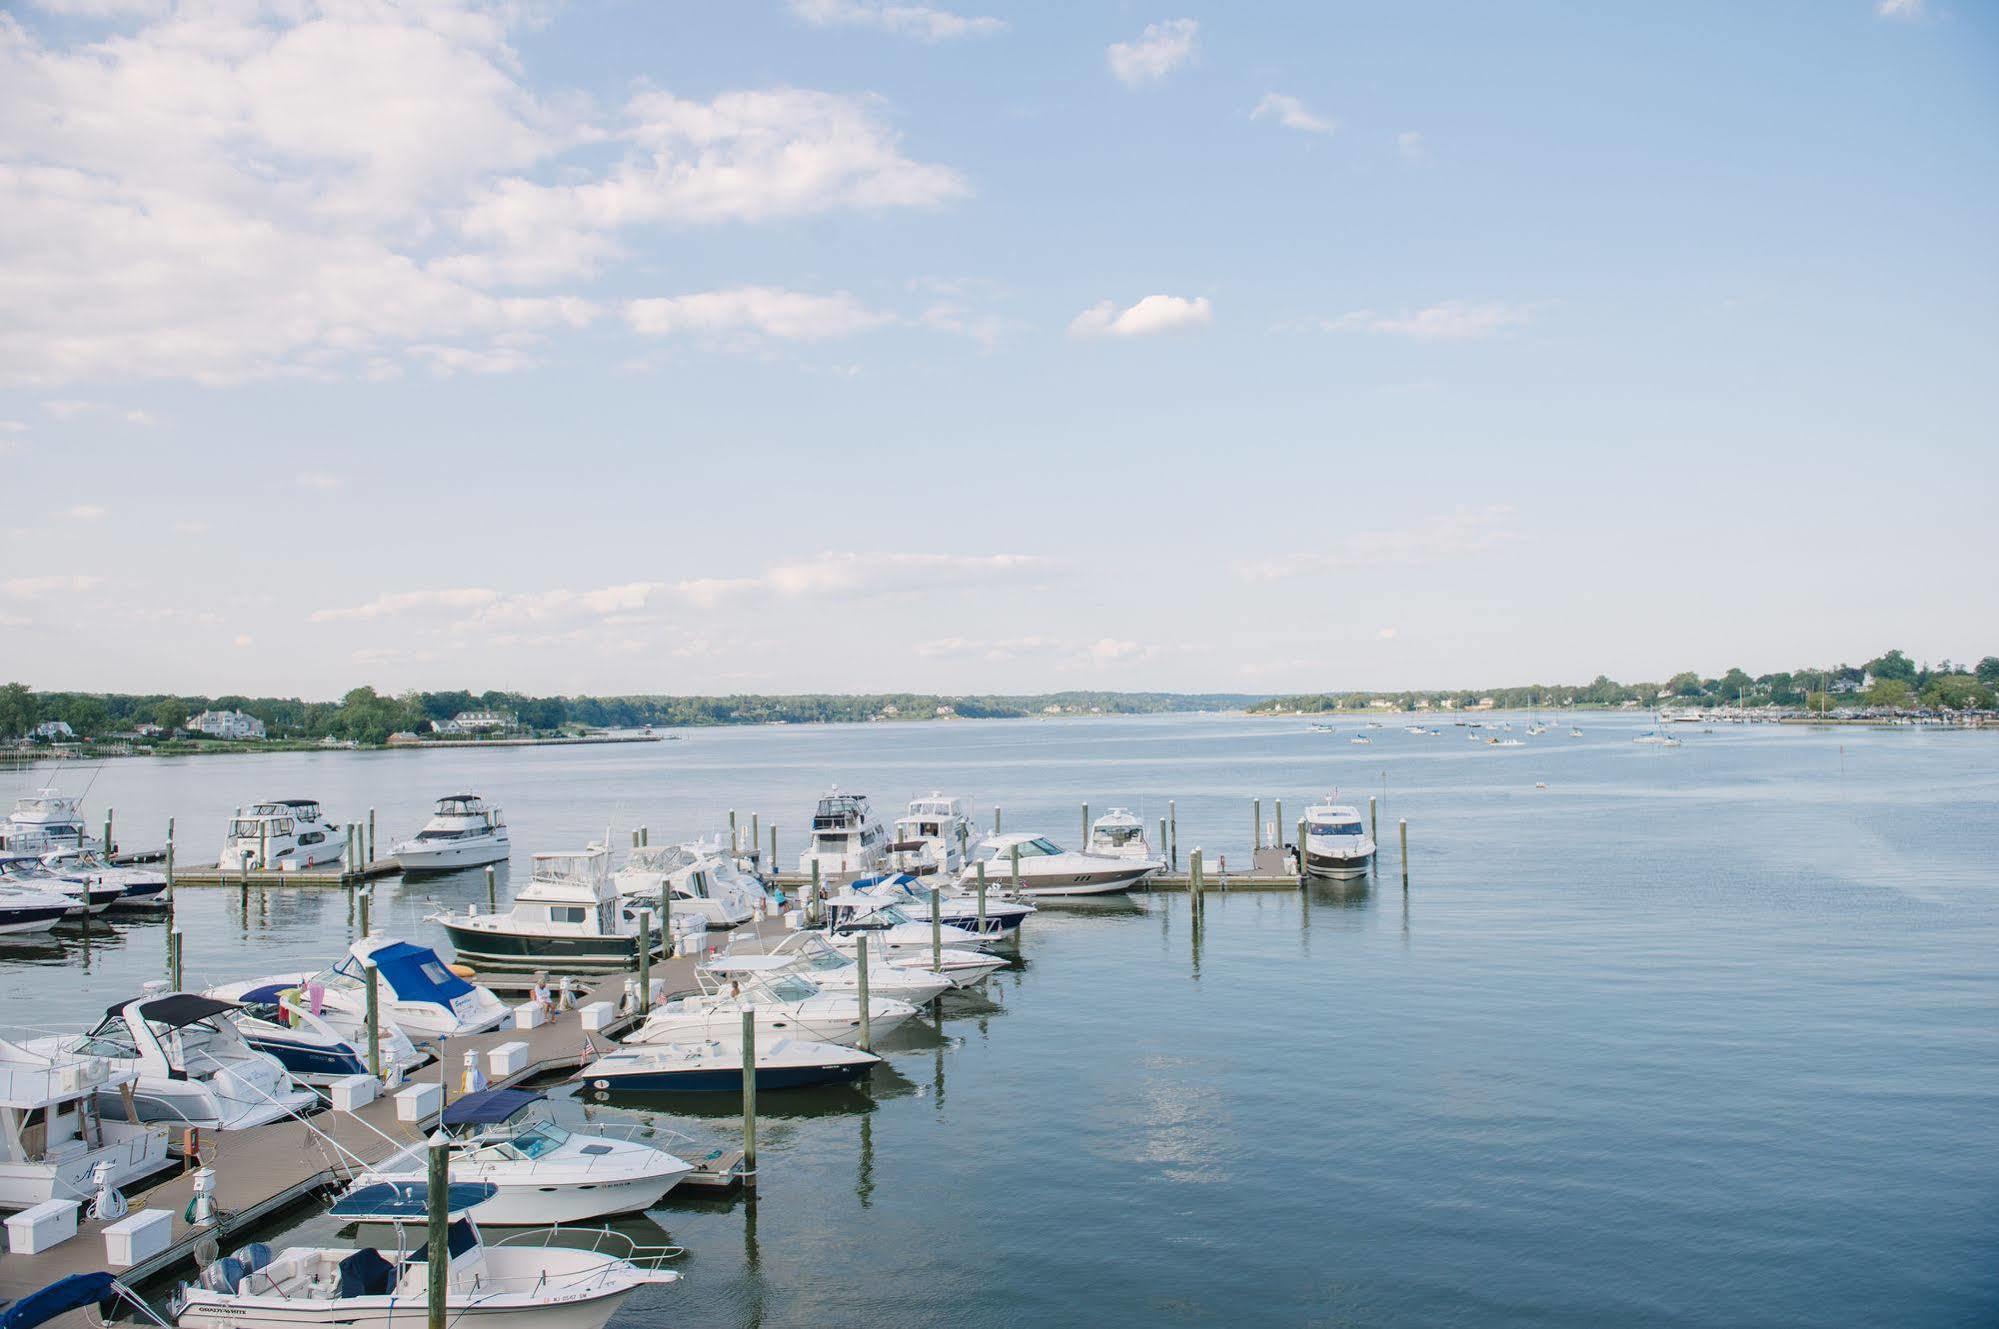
(315,994)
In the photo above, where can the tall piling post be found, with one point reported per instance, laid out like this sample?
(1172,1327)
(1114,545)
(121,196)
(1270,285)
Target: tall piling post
(749,1098)
(1194,882)
(1301,852)
(867,1043)
(175,941)
(374,1020)
(645,959)
(645,837)
(1403,826)
(816,906)
(936,932)
(1277,829)
(735,837)
(366,897)
(438,1212)
(665,921)
(1373,824)
(996,819)
(771,869)
(371,836)
(1255,826)
(982,898)
(756,831)
(492,889)
(1013,854)
(1173,832)
(109,844)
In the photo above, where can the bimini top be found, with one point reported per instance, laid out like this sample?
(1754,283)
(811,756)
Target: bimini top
(417,974)
(397,1199)
(59,1297)
(490,1107)
(175,1010)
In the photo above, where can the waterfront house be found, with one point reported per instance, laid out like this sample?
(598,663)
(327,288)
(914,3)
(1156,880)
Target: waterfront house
(226,724)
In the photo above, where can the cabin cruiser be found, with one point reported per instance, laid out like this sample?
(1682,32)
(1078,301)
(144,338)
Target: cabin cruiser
(1336,843)
(786,1004)
(192,1065)
(568,918)
(462,833)
(542,1286)
(46,820)
(930,838)
(542,1173)
(414,991)
(957,906)
(139,887)
(834,970)
(715,1065)
(276,1020)
(1117,834)
(86,898)
(285,833)
(24,909)
(706,883)
(847,841)
(52,1137)
(1048,869)
(902,940)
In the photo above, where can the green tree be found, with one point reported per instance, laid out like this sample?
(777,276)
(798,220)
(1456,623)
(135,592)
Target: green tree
(1734,684)
(1988,671)
(1686,683)
(87,716)
(1889,692)
(19,712)
(1894,665)
(170,713)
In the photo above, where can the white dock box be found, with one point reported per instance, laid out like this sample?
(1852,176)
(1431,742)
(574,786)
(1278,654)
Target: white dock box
(425,1099)
(506,1059)
(138,1237)
(351,1093)
(527,1015)
(49,1223)
(597,1015)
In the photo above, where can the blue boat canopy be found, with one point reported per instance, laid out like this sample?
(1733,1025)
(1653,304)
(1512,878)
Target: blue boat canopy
(416,974)
(58,1298)
(490,1107)
(394,1199)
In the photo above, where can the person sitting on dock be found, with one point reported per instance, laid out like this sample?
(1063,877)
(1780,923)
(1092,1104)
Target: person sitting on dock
(543,999)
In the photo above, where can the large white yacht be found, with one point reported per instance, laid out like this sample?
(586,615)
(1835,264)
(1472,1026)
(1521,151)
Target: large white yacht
(192,1065)
(786,1003)
(1336,842)
(705,882)
(52,1138)
(847,841)
(1047,869)
(1118,834)
(44,821)
(281,833)
(930,839)
(568,919)
(462,832)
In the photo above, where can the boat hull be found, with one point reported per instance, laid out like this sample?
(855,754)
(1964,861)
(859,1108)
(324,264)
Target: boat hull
(416,861)
(205,1310)
(14,922)
(519,952)
(722,1080)
(1340,867)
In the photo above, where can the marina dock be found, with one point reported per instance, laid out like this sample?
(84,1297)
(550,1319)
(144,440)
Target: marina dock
(333,875)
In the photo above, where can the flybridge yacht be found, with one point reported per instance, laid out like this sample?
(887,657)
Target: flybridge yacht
(1118,834)
(138,887)
(787,1005)
(569,918)
(930,839)
(705,883)
(52,1138)
(47,820)
(1048,869)
(541,1173)
(847,841)
(192,1065)
(462,832)
(283,833)
(1336,842)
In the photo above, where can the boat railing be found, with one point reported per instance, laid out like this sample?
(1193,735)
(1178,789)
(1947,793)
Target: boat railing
(613,1245)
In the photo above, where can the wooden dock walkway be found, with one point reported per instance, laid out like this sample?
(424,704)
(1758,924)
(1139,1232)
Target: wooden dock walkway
(332,875)
(264,1171)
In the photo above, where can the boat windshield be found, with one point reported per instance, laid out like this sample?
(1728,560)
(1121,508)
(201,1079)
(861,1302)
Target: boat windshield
(249,828)
(1337,828)
(541,1138)
(1118,834)
(466,834)
(1038,848)
(789,988)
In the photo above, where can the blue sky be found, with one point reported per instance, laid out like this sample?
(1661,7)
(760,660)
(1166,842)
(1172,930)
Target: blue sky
(839,346)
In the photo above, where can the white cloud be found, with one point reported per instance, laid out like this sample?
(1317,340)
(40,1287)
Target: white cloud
(1436,539)
(1412,147)
(331,187)
(1153,314)
(404,602)
(919,21)
(760,310)
(1904,9)
(87,512)
(868,574)
(1453,320)
(324,481)
(1291,113)
(32,588)
(1159,50)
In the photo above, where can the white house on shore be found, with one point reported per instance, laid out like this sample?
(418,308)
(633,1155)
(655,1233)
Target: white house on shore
(226,724)
(54,730)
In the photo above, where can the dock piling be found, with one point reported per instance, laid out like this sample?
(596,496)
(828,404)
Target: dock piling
(371,835)
(1172,845)
(1276,830)
(645,837)
(374,1020)
(635,837)
(756,831)
(1403,825)
(982,898)
(1255,824)
(109,845)
(1086,828)
(366,898)
(936,932)
(771,870)
(438,1211)
(996,819)
(1301,851)
(816,907)
(1014,854)
(175,940)
(492,889)
(1194,882)
(735,837)
(749,1098)
(1373,825)
(644,949)
(665,924)
(861,983)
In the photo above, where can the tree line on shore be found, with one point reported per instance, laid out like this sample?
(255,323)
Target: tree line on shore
(1891,681)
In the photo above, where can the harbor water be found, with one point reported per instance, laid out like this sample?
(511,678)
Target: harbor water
(1693,1036)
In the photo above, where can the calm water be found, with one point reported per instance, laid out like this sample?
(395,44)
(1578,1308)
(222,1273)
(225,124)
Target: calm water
(1694,1037)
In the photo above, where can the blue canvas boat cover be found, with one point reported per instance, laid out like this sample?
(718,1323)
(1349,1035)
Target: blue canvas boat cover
(416,974)
(489,1107)
(395,1199)
(58,1298)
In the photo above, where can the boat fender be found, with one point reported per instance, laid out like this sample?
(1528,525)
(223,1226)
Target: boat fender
(464,971)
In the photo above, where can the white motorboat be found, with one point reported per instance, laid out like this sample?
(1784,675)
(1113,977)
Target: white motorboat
(1117,834)
(847,841)
(504,1285)
(1505,743)
(285,833)
(541,1173)
(786,1004)
(46,820)
(317,1049)
(52,1137)
(715,1065)
(24,910)
(86,898)
(1654,738)
(414,990)
(904,940)
(1360,738)
(139,888)
(705,882)
(192,1065)
(462,832)
(834,970)
(957,905)
(1047,869)
(1336,842)
(1575,732)
(568,919)
(930,839)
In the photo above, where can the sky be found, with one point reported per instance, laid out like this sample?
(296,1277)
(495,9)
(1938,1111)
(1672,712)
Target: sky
(837,345)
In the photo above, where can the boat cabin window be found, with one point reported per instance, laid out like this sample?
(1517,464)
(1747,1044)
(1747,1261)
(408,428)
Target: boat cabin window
(567,913)
(1337,828)
(785,987)
(312,837)
(1036,848)
(1118,834)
